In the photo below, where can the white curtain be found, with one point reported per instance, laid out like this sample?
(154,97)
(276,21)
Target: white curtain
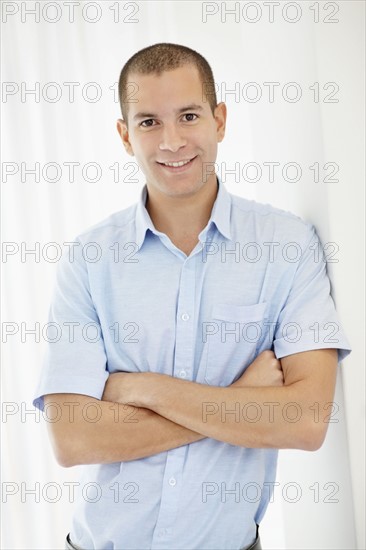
(70,55)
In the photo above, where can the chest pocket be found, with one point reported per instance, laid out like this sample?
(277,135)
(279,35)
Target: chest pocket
(232,338)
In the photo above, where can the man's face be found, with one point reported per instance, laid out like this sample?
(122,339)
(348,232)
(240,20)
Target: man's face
(172,121)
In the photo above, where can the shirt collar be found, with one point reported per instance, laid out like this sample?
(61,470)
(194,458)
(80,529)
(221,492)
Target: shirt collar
(220,216)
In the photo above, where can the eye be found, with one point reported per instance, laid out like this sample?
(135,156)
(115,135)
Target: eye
(190,115)
(147,125)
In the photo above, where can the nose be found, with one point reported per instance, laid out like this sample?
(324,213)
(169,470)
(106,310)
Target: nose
(171,139)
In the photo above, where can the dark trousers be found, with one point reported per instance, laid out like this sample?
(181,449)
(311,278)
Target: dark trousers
(256,545)
(70,545)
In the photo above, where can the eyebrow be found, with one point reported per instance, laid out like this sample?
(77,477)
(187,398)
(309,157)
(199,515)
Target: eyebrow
(192,107)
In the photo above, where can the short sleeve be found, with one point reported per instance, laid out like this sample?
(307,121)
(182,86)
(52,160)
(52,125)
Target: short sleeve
(308,320)
(75,359)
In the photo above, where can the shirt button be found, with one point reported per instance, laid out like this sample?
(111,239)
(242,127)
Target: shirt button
(185,316)
(162,532)
(183,373)
(172,481)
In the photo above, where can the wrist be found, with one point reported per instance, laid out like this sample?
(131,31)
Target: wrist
(149,389)
(156,387)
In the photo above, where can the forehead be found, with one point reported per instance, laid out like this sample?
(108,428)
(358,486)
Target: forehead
(171,90)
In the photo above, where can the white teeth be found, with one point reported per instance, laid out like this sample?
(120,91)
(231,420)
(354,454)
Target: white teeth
(176,164)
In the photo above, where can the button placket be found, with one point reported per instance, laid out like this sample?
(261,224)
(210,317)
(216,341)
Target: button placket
(183,368)
(184,344)
(171,488)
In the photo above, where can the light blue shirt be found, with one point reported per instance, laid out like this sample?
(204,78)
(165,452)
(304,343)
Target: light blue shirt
(127,299)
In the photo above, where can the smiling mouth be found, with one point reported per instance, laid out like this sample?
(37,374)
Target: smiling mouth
(176,164)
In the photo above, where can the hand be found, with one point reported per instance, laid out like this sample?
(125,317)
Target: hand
(123,387)
(132,388)
(112,390)
(265,370)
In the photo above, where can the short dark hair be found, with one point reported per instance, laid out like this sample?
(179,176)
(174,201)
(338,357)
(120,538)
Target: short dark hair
(161,57)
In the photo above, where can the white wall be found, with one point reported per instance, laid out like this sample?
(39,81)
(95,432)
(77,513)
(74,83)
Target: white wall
(303,132)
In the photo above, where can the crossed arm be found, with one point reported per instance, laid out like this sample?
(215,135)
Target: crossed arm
(274,404)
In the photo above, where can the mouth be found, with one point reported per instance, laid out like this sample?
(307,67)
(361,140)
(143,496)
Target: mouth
(177,166)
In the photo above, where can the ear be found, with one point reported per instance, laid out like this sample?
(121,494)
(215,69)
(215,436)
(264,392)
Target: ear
(220,118)
(123,132)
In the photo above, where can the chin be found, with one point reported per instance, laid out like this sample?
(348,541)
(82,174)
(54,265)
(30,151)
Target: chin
(182,189)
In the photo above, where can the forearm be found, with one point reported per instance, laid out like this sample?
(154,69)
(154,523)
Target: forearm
(292,413)
(121,433)
(259,417)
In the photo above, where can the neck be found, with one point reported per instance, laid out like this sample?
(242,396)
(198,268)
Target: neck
(182,216)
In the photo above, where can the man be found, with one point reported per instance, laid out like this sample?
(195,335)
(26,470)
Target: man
(213,335)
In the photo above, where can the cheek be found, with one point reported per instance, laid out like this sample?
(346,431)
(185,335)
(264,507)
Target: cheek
(147,148)
(207,138)
(142,152)
(210,147)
